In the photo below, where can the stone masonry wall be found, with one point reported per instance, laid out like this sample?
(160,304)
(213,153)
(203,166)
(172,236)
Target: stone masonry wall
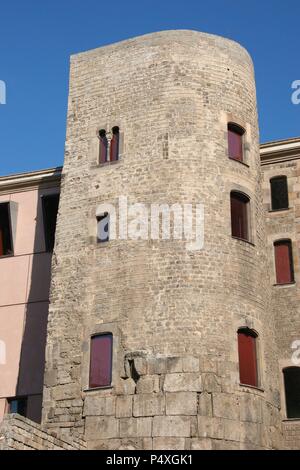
(19,433)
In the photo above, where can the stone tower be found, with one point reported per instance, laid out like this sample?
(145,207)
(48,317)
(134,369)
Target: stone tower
(174,313)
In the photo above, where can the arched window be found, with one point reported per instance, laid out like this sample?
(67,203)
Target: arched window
(101,360)
(114,144)
(103,148)
(279,193)
(235,141)
(239,204)
(292,391)
(247,347)
(284,262)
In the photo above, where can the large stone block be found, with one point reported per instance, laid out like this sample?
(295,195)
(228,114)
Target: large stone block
(148,404)
(148,384)
(99,406)
(168,443)
(181,403)
(226,406)
(124,407)
(211,427)
(182,382)
(171,426)
(135,427)
(97,427)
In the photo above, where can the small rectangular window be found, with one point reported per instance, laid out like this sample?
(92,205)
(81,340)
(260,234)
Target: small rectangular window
(292,391)
(247,357)
(6,242)
(18,405)
(50,209)
(279,193)
(239,215)
(114,144)
(101,360)
(284,262)
(235,141)
(103,228)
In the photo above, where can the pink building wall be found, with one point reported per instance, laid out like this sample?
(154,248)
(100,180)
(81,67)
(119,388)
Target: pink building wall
(24,291)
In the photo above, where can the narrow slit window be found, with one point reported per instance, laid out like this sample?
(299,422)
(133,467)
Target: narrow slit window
(114,144)
(101,360)
(284,262)
(239,215)
(292,391)
(235,141)
(279,193)
(103,228)
(247,349)
(103,146)
(6,242)
(50,209)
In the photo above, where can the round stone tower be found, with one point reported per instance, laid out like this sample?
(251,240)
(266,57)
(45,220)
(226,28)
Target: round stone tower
(172,312)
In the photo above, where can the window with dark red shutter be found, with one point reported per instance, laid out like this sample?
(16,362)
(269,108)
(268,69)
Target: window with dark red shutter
(6,242)
(279,193)
(101,360)
(235,141)
(239,215)
(292,391)
(247,357)
(103,149)
(114,144)
(284,262)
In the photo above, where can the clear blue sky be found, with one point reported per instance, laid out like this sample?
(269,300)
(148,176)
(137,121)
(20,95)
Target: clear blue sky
(37,38)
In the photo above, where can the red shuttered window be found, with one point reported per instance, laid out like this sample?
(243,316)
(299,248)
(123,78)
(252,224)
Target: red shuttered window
(101,360)
(235,141)
(114,144)
(247,357)
(284,262)
(239,215)
(103,149)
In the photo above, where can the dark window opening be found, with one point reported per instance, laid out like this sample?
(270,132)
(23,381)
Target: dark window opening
(6,243)
(101,360)
(103,228)
(50,209)
(103,149)
(279,193)
(18,405)
(235,141)
(247,357)
(114,144)
(239,215)
(292,391)
(284,262)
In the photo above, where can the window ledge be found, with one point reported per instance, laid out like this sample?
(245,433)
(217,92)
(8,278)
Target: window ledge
(7,256)
(243,240)
(284,209)
(100,165)
(291,420)
(253,387)
(287,284)
(239,161)
(95,389)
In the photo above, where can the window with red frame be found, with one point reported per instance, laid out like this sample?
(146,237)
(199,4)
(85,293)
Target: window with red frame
(284,262)
(114,144)
(235,142)
(101,360)
(103,149)
(247,347)
(239,204)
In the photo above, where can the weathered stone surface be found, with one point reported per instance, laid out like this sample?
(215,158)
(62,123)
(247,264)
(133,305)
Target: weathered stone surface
(201,444)
(148,404)
(94,405)
(135,427)
(210,427)
(205,404)
(184,382)
(226,406)
(148,384)
(171,426)
(181,403)
(124,406)
(104,427)
(168,443)
(190,364)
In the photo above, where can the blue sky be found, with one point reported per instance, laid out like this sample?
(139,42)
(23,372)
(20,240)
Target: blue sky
(37,38)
